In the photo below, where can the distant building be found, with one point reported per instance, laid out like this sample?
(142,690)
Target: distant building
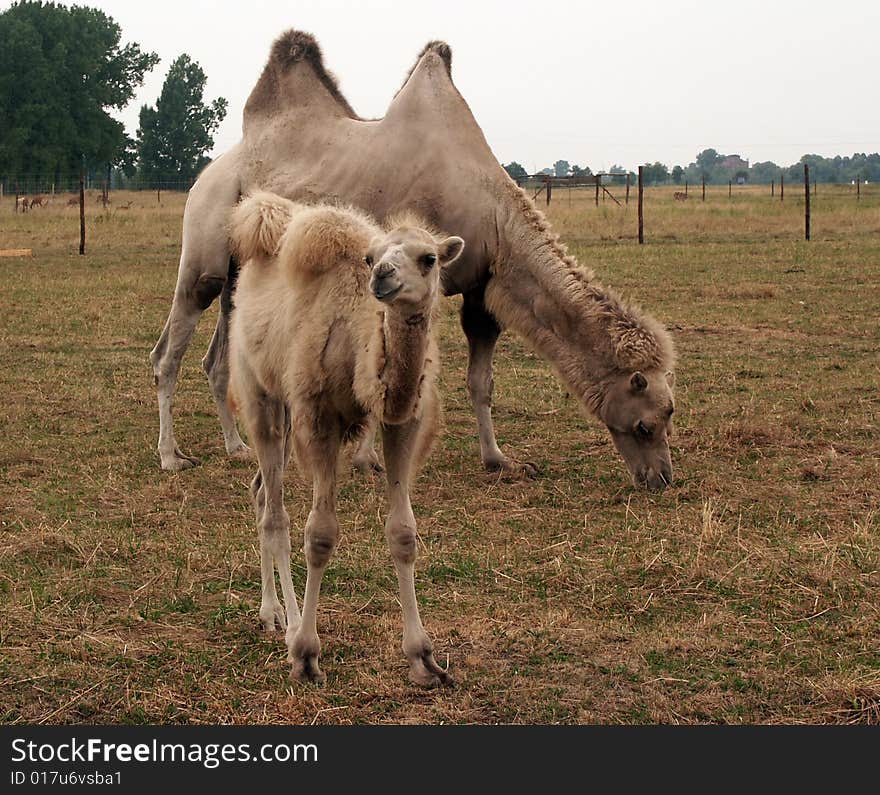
(735,163)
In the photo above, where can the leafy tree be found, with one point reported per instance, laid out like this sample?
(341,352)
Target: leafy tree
(656,173)
(707,159)
(61,70)
(516,171)
(561,168)
(677,174)
(548,171)
(174,136)
(577,171)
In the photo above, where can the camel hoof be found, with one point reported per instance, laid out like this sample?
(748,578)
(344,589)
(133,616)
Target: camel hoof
(306,670)
(424,672)
(177,461)
(520,470)
(275,620)
(368,465)
(241,453)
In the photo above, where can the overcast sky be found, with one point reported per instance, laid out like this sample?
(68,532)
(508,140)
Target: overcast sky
(596,84)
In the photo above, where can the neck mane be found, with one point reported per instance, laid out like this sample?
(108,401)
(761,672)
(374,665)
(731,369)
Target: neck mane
(584,329)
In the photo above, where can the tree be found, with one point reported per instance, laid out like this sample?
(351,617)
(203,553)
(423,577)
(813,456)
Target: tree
(174,136)
(516,171)
(677,174)
(561,168)
(707,159)
(577,171)
(61,70)
(655,174)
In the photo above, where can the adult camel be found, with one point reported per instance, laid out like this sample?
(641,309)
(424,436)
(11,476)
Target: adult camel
(302,140)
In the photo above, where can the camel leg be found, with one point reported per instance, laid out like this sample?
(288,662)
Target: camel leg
(321,535)
(216,366)
(270,426)
(365,459)
(482,332)
(400,444)
(166,358)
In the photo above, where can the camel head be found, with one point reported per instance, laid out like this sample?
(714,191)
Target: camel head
(638,410)
(406,265)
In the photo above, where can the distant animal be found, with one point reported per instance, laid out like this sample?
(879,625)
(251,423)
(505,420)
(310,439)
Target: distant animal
(36,201)
(73,201)
(332,329)
(127,205)
(302,139)
(23,204)
(680,196)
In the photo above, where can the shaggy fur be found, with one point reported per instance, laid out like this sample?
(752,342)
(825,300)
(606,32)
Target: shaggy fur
(332,332)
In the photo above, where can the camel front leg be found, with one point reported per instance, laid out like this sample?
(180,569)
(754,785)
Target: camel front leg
(482,332)
(320,450)
(400,444)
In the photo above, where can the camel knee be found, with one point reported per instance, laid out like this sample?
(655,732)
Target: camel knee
(321,539)
(402,542)
(206,289)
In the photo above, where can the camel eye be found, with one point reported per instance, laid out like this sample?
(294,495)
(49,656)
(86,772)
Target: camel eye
(369,260)
(643,430)
(429,260)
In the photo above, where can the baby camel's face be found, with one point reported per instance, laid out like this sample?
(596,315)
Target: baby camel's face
(406,266)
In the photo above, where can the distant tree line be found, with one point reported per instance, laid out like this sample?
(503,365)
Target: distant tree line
(62,71)
(719,169)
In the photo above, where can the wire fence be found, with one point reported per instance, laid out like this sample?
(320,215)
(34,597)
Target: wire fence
(29,185)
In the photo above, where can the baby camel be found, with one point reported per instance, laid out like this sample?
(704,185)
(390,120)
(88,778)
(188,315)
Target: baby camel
(332,332)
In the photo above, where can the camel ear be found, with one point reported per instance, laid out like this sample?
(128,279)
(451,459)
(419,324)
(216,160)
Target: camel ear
(450,249)
(670,378)
(638,382)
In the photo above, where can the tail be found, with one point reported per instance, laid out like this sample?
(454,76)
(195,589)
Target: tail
(257,224)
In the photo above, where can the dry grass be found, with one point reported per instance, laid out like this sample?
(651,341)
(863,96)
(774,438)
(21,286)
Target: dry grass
(748,593)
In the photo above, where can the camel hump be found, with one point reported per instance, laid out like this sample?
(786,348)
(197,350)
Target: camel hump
(436,48)
(322,238)
(257,224)
(294,75)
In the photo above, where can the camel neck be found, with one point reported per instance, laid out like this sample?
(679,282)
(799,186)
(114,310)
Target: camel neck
(557,306)
(407,340)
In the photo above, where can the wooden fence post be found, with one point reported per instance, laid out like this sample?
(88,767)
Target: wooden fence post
(729,188)
(806,201)
(685,188)
(82,215)
(549,187)
(772,187)
(782,187)
(597,178)
(858,187)
(627,188)
(704,187)
(641,205)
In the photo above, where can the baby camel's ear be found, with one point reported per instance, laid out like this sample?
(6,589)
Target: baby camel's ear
(449,250)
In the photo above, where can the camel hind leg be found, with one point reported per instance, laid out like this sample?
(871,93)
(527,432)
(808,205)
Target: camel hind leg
(201,277)
(190,301)
(216,366)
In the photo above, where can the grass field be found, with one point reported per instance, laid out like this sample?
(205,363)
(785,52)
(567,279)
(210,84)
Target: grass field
(747,593)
